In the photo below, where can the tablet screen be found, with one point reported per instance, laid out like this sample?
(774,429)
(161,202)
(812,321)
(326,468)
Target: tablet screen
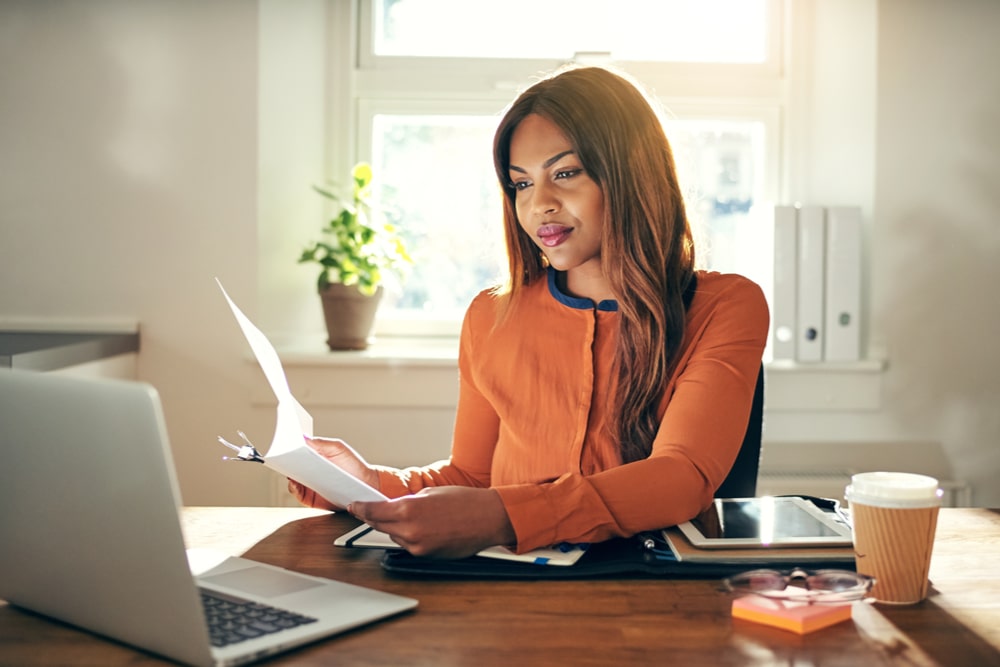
(766,521)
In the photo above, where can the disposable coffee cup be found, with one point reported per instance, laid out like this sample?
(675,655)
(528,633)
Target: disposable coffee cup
(894,517)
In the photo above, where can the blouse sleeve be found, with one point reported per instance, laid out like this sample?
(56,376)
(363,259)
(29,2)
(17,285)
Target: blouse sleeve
(707,405)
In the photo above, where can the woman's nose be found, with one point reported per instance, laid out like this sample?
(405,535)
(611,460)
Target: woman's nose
(545,200)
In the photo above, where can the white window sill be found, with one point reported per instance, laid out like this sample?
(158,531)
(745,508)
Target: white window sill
(383,352)
(786,366)
(443,351)
(407,371)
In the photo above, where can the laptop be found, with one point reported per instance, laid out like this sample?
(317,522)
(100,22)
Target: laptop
(90,534)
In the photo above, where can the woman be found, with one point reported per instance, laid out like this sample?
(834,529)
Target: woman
(606,389)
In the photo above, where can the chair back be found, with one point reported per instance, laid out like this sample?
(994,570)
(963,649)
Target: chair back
(741,482)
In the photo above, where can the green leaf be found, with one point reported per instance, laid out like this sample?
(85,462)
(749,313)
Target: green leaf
(358,246)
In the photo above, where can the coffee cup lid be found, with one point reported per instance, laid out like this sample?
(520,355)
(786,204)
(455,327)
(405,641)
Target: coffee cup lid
(894,489)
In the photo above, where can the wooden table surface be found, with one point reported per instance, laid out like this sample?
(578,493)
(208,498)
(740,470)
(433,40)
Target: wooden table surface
(642,621)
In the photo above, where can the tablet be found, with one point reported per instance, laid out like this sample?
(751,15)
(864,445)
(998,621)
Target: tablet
(764,522)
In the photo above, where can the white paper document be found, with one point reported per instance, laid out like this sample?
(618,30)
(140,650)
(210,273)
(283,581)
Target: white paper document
(366,537)
(289,454)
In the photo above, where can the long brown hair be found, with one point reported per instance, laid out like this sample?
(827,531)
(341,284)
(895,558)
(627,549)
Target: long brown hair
(647,251)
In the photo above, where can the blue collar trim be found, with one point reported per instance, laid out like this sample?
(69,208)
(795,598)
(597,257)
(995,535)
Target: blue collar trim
(609,305)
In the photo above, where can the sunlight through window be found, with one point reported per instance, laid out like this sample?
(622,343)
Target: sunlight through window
(721,31)
(434,76)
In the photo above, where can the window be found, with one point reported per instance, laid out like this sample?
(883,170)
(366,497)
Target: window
(438,181)
(638,30)
(429,91)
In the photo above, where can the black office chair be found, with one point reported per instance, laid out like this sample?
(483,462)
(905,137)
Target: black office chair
(741,482)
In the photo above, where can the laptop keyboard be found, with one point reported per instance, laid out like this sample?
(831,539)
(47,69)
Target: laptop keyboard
(232,620)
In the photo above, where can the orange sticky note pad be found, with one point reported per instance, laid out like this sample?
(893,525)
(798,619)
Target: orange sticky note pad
(795,616)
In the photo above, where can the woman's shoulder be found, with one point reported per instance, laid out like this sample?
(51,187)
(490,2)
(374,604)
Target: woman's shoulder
(728,291)
(484,306)
(496,305)
(487,305)
(713,282)
(493,299)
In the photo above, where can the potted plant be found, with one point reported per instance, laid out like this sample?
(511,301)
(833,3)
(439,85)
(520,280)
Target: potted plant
(357,252)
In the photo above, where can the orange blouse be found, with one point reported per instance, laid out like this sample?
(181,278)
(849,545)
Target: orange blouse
(533,403)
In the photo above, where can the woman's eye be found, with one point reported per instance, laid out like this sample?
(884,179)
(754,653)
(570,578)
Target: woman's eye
(567,173)
(519,185)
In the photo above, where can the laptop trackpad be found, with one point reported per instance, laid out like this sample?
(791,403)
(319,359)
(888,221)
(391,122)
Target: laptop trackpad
(262,581)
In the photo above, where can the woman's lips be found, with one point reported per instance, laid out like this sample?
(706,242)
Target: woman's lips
(553,235)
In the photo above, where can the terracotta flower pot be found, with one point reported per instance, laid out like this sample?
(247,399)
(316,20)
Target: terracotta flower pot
(350,316)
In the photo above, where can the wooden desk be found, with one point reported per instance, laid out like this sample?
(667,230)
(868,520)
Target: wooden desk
(637,621)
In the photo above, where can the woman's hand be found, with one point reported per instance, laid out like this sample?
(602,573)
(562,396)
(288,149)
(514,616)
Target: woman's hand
(345,458)
(443,522)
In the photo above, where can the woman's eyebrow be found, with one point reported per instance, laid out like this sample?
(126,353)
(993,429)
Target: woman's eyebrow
(555,158)
(548,163)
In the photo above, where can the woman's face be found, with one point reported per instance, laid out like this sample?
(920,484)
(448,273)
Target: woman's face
(558,205)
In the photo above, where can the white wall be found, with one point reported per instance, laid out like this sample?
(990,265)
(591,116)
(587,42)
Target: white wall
(128,154)
(295,115)
(147,147)
(937,239)
(900,99)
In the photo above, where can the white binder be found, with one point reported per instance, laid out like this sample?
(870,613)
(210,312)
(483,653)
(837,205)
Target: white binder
(843,284)
(811,255)
(785,287)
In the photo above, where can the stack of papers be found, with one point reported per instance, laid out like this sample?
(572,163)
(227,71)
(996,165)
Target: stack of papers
(365,536)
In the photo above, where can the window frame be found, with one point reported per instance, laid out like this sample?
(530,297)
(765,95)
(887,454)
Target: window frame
(420,85)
